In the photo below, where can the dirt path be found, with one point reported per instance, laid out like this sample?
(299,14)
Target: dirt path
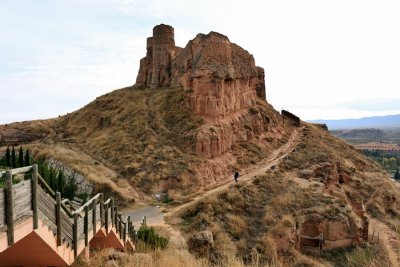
(388,238)
(259,169)
(156,217)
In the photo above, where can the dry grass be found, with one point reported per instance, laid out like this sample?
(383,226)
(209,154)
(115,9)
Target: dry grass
(144,135)
(141,139)
(167,258)
(371,256)
(256,220)
(368,182)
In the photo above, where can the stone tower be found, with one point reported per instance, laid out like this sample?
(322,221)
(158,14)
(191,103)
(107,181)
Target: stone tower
(155,67)
(163,52)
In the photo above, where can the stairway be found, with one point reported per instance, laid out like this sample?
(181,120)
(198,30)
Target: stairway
(37,228)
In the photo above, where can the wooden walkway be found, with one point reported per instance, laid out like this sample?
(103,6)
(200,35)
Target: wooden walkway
(38,228)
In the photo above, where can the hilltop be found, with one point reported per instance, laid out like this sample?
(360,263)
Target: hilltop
(194,115)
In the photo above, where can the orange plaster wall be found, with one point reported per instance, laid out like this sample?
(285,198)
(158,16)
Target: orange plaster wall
(39,247)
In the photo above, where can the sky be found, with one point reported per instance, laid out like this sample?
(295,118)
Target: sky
(323,59)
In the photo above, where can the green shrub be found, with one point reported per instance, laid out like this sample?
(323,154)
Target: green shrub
(149,236)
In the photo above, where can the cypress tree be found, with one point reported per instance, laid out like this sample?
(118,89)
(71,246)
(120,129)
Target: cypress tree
(51,179)
(8,157)
(397,175)
(27,160)
(71,188)
(20,157)
(60,182)
(40,168)
(13,158)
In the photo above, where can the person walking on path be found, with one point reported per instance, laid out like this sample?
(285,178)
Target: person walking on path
(236,176)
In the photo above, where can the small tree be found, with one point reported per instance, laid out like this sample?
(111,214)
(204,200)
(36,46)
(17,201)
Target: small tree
(27,159)
(13,158)
(60,182)
(8,157)
(51,179)
(397,175)
(71,188)
(20,157)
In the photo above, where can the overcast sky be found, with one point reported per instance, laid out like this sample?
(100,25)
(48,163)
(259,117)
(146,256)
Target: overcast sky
(323,59)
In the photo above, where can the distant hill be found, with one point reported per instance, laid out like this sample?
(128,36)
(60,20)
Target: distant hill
(379,122)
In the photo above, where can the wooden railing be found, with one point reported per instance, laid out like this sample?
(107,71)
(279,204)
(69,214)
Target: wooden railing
(310,244)
(35,198)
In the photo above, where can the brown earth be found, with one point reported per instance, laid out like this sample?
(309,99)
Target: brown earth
(195,116)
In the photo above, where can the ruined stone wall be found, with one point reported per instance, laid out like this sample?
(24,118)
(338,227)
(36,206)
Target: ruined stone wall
(154,70)
(163,52)
(222,82)
(222,76)
(291,116)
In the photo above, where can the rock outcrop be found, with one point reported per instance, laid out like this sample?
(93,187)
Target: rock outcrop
(155,66)
(222,76)
(222,81)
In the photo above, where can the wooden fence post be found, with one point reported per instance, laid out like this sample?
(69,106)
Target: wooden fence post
(9,208)
(75,235)
(101,210)
(120,225)
(129,226)
(116,218)
(35,196)
(125,229)
(112,213)
(58,218)
(106,216)
(94,216)
(86,225)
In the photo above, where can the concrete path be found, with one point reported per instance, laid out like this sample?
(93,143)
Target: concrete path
(154,216)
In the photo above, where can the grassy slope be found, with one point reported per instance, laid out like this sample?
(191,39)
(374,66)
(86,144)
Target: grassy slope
(138,133)
(248,221)
(368,182)
(135,139)
(147,138)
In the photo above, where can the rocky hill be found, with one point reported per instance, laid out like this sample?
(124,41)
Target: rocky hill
(194,116)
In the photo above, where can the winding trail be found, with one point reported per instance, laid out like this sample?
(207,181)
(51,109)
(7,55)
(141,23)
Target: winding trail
(389,239)
(276,156)
(156,217)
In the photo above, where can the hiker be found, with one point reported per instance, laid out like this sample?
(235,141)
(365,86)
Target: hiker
(236,176)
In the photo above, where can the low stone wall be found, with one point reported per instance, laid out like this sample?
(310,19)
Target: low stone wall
(84,185)
(291,117)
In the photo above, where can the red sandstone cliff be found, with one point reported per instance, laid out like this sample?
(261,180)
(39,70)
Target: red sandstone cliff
(222,75)
(223,84)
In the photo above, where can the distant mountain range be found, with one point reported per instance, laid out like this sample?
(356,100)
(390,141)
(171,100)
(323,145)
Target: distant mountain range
(379,122)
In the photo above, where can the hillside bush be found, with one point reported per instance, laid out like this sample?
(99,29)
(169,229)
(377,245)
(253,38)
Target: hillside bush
(149,236)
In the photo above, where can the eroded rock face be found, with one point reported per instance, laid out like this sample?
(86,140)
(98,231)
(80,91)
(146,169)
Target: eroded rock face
(222,81)
(222,76)
(215,139)
(341,231)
